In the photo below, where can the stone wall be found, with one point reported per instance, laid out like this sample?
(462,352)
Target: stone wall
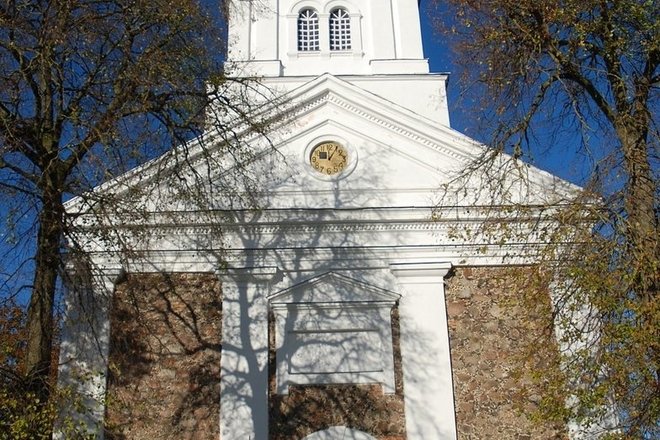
(491,331)
(164,378)
(311,408)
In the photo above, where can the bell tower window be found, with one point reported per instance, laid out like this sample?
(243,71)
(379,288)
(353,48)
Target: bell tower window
(340,29)
(323,36)
(308,30)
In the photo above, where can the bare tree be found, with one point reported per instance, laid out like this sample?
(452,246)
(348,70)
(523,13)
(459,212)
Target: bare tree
(88,90)
(587,71)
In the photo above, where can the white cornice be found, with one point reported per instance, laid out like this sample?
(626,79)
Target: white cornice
(313,260)
(416,272)
(430,213)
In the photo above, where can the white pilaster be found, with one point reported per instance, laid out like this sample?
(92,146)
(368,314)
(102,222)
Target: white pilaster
(356,34)
(427,380)
(240,30)
(382,30)
(244,364)
(324,33)
(408,30)
(577,329)
(265,40)
(85,346)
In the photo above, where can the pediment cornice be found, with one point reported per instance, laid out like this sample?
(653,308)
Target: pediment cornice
(331,288)
(314,96)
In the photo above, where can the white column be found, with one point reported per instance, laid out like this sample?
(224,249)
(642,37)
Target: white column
(382,31)
(85,346)
(427,381)
(324,34)
(240,30)
(244,362)
(407,30)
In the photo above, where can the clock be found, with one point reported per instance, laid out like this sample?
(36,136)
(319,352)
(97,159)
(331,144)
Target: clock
(329,158)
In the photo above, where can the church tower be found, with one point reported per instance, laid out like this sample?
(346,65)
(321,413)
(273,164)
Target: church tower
(374,44)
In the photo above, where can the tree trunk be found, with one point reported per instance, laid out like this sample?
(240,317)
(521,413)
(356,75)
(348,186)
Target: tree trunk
(642,253)
(639,203)
(40,311)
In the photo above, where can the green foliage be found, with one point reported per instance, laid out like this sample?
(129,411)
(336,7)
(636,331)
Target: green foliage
(26,412)
(25,416)
(606,378)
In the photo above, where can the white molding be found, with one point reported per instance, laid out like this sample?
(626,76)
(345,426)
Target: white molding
(418,273)
(378,294)
(312,259)
(254,274)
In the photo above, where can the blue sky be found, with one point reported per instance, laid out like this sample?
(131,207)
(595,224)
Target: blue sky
(561,160)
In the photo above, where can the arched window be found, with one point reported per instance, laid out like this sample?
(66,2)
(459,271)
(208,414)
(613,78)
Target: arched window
(340,29)
(308,30)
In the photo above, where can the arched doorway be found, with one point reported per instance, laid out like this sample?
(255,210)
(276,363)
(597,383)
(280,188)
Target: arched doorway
(339,433)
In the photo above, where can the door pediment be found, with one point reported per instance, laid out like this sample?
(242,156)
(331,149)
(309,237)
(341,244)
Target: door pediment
(333,289)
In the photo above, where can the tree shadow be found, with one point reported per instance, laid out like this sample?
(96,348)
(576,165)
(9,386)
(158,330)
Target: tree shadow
(164,373)
(310,408)
(166,379)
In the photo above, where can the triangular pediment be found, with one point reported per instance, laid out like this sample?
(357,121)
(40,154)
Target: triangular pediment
(333,288)
(399,158)
(396,157)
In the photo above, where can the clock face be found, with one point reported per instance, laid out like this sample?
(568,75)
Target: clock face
(329,158)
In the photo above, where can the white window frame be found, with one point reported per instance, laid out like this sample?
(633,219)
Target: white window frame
(323,9)
(308,30)
(339,30)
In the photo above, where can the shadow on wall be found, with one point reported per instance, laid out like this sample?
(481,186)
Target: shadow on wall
(165,369)
(307,409)
(164,372)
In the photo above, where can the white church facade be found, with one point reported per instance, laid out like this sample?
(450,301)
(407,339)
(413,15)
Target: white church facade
(327,289)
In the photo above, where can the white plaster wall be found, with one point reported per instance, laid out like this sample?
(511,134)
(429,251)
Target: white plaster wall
(244,365)
(83,362)
(386,38)
(333,328)
(423,94)
(339,433)
(337,345)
